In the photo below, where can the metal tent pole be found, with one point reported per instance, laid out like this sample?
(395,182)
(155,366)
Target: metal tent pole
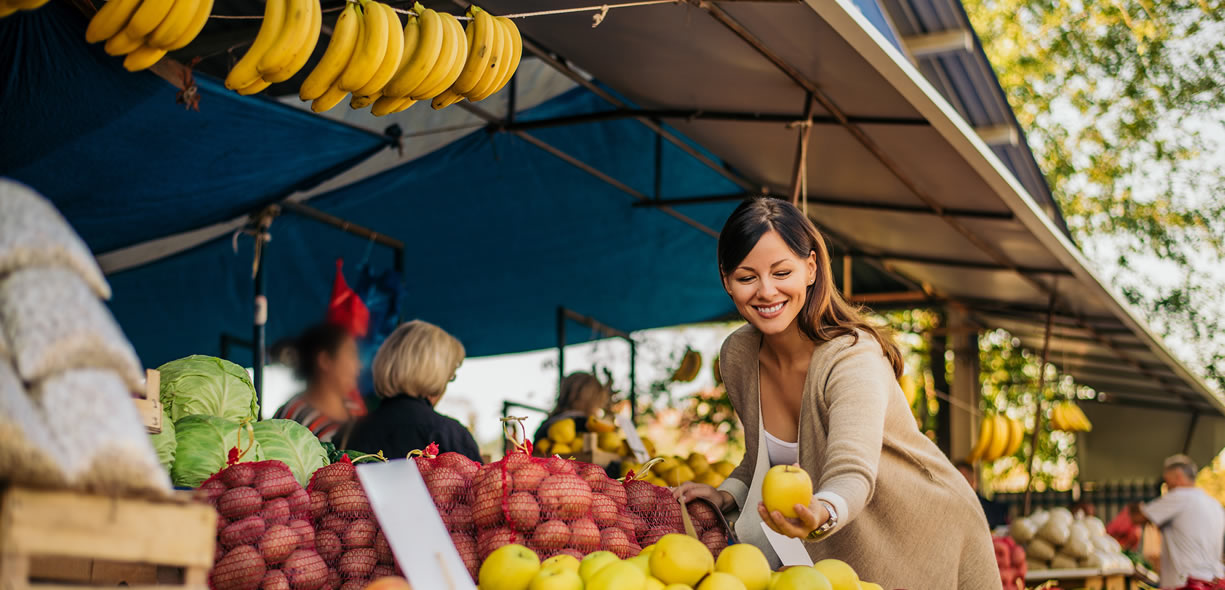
(1033,439)
(561,347)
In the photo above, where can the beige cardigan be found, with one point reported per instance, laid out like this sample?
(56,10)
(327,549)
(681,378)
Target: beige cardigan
(906,517)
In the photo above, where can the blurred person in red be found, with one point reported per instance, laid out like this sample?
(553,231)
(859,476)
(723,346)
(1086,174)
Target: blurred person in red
(327,360)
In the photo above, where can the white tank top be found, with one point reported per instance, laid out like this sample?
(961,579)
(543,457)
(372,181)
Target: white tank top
(780,451)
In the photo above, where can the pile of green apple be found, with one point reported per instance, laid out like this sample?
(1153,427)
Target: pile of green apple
(675,562)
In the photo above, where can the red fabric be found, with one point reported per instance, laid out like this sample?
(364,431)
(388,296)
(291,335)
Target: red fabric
(1124,530)
(346,309)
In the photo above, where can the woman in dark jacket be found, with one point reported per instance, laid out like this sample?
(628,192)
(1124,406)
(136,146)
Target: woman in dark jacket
(411,373)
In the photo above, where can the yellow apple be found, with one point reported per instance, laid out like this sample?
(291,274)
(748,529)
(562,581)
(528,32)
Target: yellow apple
(569,562)
(509,567)
(681,559)
(725,468)
(784,487)
(649,549)
(698,463)
(556,577)
(841,575)
(802,578)
(610,442)
(620,575)
(747,563)
(711,478)
(643,562)
(721,581)
(562,431)
(774,579)
(677,587)
(543,445)
(653,583)
(593,562)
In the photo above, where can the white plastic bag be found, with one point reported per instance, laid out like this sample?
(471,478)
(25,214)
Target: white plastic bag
(34,234)
(28,453)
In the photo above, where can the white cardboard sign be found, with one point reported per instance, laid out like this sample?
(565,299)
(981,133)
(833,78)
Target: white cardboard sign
(631,438)
(418,538)
(789,550)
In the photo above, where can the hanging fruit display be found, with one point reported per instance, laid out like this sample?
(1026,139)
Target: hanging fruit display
(1068,417)
(145,30)
(285,40)
(998,436)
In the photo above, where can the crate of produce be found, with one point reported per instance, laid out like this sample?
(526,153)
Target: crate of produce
(54,539)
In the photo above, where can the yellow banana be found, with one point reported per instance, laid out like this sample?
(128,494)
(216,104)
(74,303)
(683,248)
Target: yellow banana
(361,102)
(142,58)
(497,60)
(404,104)
(370,50)
(999,439)
(340,50)
(246,71)
(329,99)
(480,34)
(289,40)
(198,20)
(386,105)
(516,53)
(984,440)
(446,99)
(146,18)
(391,57)
(1016,437)
(256,87)
(1082,421)
(426,50)
(110,19)
(7,9)
(458,58)
(306,50)
(174,25)
(1061,418)
(122,44)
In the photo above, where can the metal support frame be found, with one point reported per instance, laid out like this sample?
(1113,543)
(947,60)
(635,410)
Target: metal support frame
(799,174)
(1033,439)
(940,381)
(700,115)
(565,315)
(830,202)
(312,213)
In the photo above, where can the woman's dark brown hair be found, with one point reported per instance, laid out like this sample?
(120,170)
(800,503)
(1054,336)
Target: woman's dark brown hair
(825,315)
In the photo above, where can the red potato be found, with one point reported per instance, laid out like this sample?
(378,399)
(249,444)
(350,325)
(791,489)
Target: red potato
(615,490)
(327,543)
(357,563)
(210,490)
(241,502)
(276,511)
(715,541)
(592,474)
(299,503)
(575,553)
(491,480)
(557,465)
(275,480)
(306,533)
(640,496)
(461,464)
(274,580)
(614,539)
(334,580)
(278,543)
(565,495)
(383,549)
(360,534)
(604,510)
(238,475)
(458,518)
(240,569)
(305,570)
(522,511)
(490,540)
(487,512)
(243,532)
(350,500)
(516,461)
(383,571)
(702,514)
(466,546)
(528,477)
(335,523)
(551,535)
(355,584)
(424,465)
(584,535)
(330,476)
(318,504)
(446,485)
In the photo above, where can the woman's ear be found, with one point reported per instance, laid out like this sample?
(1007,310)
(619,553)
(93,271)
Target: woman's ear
(811,263)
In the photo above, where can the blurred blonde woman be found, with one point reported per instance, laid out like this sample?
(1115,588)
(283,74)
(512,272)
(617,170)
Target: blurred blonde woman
(581,395)
(411,373)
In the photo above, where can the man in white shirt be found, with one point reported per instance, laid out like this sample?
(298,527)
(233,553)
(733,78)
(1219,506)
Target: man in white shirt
(1192,526)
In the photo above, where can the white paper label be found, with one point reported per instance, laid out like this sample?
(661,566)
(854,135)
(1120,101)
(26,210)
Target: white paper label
(418,538)
(789,550)
(631,438)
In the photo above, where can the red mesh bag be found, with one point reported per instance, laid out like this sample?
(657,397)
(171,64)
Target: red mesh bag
(653,512)
(265,538)
(348,540)
(449,477)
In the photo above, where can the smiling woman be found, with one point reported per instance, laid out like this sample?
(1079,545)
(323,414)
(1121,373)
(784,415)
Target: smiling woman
(815,384)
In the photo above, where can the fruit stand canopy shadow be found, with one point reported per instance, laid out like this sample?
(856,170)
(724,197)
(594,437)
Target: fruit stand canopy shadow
(501,227)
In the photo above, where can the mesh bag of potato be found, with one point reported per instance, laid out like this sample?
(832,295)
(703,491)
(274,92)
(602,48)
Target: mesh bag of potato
(349,543)
(449,477)
(655,513)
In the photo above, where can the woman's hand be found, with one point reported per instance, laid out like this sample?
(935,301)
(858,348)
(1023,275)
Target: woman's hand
(688,491)
(810,519)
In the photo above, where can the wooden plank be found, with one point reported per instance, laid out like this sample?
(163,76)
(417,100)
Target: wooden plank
(101,528)
(150,406)
(64,569)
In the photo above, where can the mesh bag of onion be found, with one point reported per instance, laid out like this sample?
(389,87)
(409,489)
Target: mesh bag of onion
(449,478)
(264,534)
(348,540)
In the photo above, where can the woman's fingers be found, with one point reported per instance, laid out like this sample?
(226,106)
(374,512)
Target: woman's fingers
(807,517)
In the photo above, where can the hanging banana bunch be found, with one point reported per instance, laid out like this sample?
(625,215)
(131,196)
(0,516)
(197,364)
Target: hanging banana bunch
(286,39)
(998,437)
(495,48)
(145,30)
(1068,417)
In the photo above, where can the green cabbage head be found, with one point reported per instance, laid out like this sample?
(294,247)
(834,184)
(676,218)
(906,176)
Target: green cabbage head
(207,385)
(165,442)
(292,444)
(204,444)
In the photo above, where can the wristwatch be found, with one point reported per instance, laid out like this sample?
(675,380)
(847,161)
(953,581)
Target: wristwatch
(828,525)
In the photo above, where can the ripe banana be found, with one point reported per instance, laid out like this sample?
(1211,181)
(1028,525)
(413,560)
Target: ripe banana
(142,58)
(422,49)
(999,438)
(255,88)
(331,98)
(516,53)
(455,63)
(984,440)
(176,23)
(293,33)
(391,57)
(480,35)
(110,19)
(1016,437)
(370,50)
(146,18)
(386,105)
(446,99)
(497,60)
(306,50)
(7,9)
(198,20)
(122,44)
(340,50)
(246,71)
(361,102)
(1058,420)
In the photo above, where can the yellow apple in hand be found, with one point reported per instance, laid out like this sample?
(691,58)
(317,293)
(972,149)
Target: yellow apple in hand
(594,562)
(802,578)
(569,562)
(784,487)
(509,567)
(681,559)
(556,577)
(747,563)
(841,575)
(621,575)
(721,581)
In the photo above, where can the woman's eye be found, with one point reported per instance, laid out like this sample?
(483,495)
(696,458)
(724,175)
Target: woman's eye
(782,274)
(745,280)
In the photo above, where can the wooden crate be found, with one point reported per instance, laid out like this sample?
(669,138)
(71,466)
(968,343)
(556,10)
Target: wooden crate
(52,540)
(149,404)
(592,453)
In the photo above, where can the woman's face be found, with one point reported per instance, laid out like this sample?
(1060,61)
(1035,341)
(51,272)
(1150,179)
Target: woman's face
(342,368)
(770,285)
